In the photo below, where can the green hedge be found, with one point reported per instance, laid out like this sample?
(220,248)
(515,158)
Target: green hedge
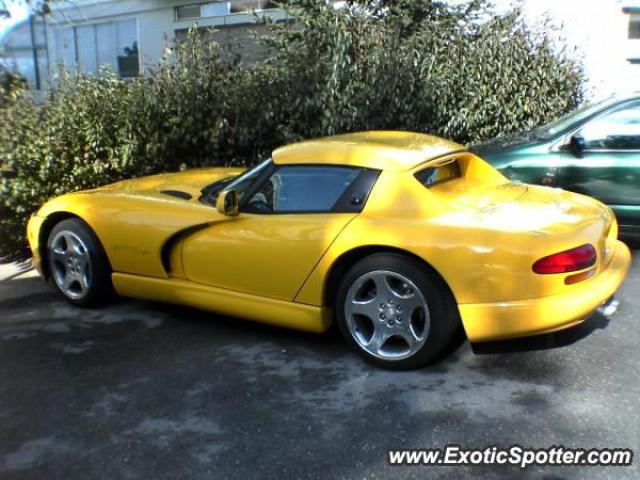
(459,72)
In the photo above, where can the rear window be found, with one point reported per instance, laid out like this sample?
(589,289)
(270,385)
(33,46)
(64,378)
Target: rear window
(439,174)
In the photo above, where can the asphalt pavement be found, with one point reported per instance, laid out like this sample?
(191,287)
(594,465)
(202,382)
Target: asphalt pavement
(149,391)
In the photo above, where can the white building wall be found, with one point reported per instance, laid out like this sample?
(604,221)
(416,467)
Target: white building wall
(72,26)
(155,32)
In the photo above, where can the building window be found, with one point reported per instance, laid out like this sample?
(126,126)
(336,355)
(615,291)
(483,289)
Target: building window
(248,6)
(634,27)
(187,12)
(90,47)
(221,8)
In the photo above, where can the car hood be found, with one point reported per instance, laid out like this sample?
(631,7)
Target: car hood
(180,185)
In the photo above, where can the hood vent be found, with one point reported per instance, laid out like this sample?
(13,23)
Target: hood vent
(177,193)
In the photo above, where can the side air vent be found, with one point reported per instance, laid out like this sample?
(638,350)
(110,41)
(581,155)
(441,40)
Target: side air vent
(177,193)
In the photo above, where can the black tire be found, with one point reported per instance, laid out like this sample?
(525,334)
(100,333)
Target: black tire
(98,289)
(444,318)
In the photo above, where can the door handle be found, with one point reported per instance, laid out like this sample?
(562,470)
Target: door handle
(550,178)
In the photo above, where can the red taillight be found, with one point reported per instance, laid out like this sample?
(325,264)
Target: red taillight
(567,261)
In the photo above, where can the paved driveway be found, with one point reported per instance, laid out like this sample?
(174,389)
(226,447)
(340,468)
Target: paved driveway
(141,390)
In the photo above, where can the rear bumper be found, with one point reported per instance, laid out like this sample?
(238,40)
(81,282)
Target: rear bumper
(497,321)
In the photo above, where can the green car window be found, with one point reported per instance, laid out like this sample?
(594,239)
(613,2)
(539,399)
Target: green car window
(566,121)
(616,130)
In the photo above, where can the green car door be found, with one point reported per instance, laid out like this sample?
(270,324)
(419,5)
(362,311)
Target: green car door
(602,160)
(594,151)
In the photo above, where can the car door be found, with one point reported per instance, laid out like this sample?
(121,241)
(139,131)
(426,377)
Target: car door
(286,223)
(602,160)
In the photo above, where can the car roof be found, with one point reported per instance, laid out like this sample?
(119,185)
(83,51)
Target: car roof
(382,150)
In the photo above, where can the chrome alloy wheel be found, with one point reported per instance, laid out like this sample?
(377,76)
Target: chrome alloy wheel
(70,264)
(387,315)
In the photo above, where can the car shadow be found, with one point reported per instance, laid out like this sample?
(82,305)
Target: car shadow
(547,341)
(22,291)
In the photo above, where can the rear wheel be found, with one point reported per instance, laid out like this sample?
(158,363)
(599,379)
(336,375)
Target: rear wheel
(395,313)
(77,263)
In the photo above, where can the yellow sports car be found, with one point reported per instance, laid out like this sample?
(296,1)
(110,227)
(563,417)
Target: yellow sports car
(398,237)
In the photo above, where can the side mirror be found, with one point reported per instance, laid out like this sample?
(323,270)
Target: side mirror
(227,203)
(577,145)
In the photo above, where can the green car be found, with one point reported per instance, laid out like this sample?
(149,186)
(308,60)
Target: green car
(594,150)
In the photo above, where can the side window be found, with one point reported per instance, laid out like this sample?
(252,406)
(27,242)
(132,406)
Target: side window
(302,188)
(618,130)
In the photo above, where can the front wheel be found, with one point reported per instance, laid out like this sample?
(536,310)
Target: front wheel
(77,263)
(395,312)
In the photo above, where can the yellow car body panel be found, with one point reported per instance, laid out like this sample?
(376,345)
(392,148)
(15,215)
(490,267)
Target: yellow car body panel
(276,312)
(134,220)
(382,150)
(277,245)
(546,314)
(478,231)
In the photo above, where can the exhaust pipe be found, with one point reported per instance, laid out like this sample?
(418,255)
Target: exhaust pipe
(609,307)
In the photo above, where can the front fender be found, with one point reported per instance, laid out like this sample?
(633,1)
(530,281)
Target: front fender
(133,229)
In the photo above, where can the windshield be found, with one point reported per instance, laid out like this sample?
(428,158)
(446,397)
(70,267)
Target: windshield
(242,183)
(571,118)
